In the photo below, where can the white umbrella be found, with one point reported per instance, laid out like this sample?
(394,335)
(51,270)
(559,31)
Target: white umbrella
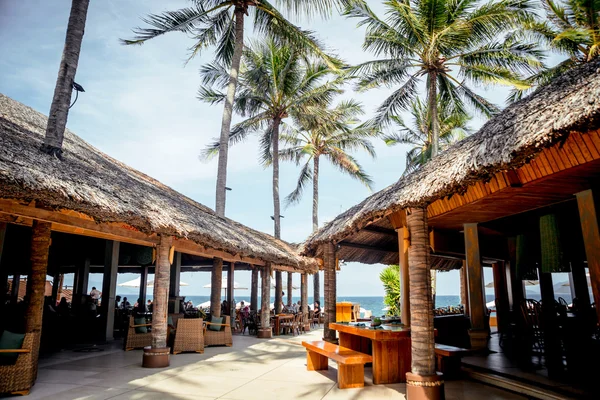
(491,304)
(206,304)
(136,283)
(284,287)
(224,285)
(489,285)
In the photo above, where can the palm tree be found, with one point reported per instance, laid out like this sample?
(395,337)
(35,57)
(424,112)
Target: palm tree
(453,128)
(276,82)
(59,110)
(220,23)
(452,45)
(390,277)
(572,29)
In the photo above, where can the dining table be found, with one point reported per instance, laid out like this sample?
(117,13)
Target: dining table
(389,345)
(278,319)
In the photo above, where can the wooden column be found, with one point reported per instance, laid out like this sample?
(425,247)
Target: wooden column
(552,345)
(174,281)
(591,240)
(464,288)
(3,274)
(109,286)
(216,278)
(579,285)
(161,293)
(330,291)
(254,290)
(14,290)
(304,299)
(478,332)
(290,288)
(404,279)
(265,331)
(516,283)
(144,285)
(278,292)
(230,294)
(56,282)
(40,248)
(317,287)
(82,277)
(501,292)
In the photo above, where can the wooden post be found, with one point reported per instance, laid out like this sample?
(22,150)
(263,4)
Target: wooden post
(317,287)
(40,248)
(144,286)
(516,283)
(330,291)
(14,290)
(82,277)
(404,279)
(216,279)
(161,293)
(478,332)
(290,287)
(464,288)
(304,299)
(265,331)
(109,286)
(174,281)
(254,290)
(552,346)
(3,275)
(278,292)
(591,240)
(230,294)
(501,292)
(580,285)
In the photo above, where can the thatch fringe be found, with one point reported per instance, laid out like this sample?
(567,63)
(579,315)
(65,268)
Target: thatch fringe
(507,141)
(93,183)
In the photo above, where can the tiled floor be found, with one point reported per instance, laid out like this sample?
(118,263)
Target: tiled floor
(251,369)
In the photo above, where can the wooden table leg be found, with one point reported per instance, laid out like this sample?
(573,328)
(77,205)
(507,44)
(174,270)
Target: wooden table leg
(391,361)
(354,342)
(351,376)
(315,361)
(276,326)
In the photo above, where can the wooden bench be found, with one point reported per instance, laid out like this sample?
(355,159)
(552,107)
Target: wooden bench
(448,359)
(351,364)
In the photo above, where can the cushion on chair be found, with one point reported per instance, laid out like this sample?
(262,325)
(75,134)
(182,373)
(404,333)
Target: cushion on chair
(10,341)
(140,329)
(216,320)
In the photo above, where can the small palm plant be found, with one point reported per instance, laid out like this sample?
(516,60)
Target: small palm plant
(572,29)
(453,128)
(390,277)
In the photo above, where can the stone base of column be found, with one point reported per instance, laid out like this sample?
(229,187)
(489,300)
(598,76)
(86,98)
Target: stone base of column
(479,339)
(265,333)
(425,387)
(156,358)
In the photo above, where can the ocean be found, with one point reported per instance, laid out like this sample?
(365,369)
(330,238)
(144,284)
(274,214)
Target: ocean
(375,304)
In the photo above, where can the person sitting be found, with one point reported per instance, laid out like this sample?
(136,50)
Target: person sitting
(125,305)
(149,305)
(317,308)
(140,307)
(117,300)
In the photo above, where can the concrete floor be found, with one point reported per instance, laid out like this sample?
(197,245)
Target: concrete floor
(251,369)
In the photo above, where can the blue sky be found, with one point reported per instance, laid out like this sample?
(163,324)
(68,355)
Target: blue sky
(140,107)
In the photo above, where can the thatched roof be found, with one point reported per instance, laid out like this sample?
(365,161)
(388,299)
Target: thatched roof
(93,183)
(507,141)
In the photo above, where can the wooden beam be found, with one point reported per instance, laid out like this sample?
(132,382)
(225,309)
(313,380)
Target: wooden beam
(591,240)
(397,219)
(366,247)
(475,282)
(190,247)
(379,230)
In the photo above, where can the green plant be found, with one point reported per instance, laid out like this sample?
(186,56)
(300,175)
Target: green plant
(390,277)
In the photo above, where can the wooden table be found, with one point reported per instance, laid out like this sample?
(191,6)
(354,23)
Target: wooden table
(390,348)
(281,317)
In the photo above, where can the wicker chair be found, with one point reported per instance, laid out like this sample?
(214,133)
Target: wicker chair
(189,336)
(137,340)
(218,338)
(19,377)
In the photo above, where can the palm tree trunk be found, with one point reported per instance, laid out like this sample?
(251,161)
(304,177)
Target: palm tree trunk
(433,112)
(330,291)
(216,279)
(276,201)
(421,310)
(40,245)
(290,287)
(254,291)
(278,292)
(162,276)
(265,300)
(228,113)
(59,110)
(315,221)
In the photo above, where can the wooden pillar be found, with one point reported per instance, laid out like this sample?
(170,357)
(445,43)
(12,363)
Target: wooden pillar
(230,294)
(254,290)
(56,282)
(478,332)
(82,277)
(404,279)
(14,290)
(501,292)
(464,288)
(579,285)
(265,308)
(278,292)
(591,240)
(174,281)
(216,279)
(40,248)
(330,291)
(109,286)
(161,293)
(3,274)
(144,285)
(552,346)
(317,287)
(304,299)
(518,294)
(290,287)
